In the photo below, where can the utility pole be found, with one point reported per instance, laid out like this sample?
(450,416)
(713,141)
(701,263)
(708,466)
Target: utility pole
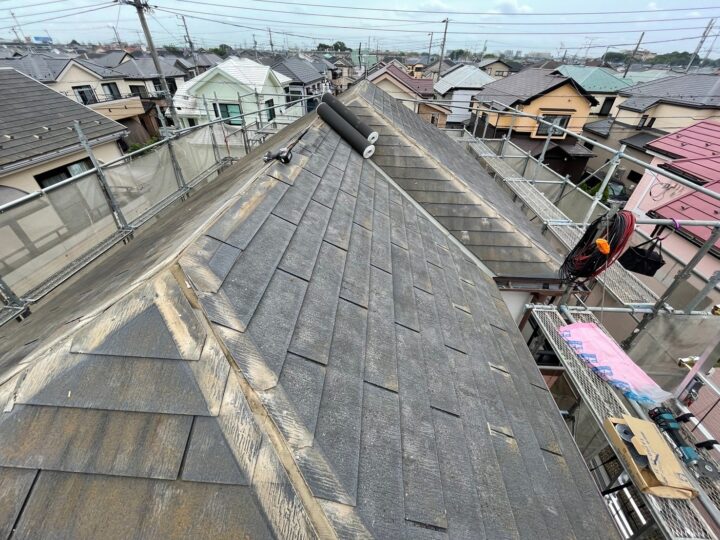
(442,50)
(140,7)
(255,47)
(632,57)
(706,33)
(17,25)
(190,44)
(430,48)
(117,37)
(482,54)
(710,49)
(360,56)
(272,49)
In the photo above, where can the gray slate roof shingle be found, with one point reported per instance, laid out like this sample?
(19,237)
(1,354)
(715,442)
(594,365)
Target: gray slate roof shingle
(399,385)
(144,68)
(299,70)
(696,91)
(522,87)
(44,122)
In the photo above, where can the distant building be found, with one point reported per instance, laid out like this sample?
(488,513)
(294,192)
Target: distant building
(604,84)
(458,87)
(433,71)
(539,92)
(305,80)
(497,68)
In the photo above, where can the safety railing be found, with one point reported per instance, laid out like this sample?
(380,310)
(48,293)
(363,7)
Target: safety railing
(48,235)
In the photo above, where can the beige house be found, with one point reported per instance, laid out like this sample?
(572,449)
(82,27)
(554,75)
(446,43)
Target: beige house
(497,68)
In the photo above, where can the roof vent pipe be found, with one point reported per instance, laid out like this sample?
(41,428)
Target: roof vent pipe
(345,130)
(365,130)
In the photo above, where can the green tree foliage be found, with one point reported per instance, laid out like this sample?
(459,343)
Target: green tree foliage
(340,46)
(172,49)
(221,50)
(457,54)
(324,47)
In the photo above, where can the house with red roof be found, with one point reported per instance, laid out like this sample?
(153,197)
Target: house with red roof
(402,86)
(693,153)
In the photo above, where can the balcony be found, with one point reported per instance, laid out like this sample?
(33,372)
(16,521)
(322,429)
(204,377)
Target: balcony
(119,107)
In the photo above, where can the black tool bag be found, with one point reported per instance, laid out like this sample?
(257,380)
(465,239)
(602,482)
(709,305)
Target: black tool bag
(645,258)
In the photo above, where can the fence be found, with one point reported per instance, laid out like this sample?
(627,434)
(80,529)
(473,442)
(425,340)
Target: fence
(48,235)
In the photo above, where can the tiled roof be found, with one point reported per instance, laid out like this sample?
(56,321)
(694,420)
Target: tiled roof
(640,77)
(422,87)
(695,205)
(600,127)
(696,91)
(595,79)
(37,121)
(109,59)
(447,64)
(41,67)
(520,88)
(699,140)
(320,324)
(144,68)
(464,77)
(299,70)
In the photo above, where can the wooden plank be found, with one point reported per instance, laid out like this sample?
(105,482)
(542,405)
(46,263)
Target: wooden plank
(94,441)
(314,328)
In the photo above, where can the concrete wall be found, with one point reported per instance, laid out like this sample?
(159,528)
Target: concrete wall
(24,179)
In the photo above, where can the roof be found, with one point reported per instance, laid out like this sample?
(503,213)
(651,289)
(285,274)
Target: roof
(600,127)
(108,59)
(246,72)
(695,91)
(639,77)
(523,87)
(464,77)
(144,68)
(320,324)
(422,87)
(299,70)
(447,64)
(595,79)
(695,151)
(512,66)
(41,67)
(38,121)
(639,140)
(568,146)
(695,205)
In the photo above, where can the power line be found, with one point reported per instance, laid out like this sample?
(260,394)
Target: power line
(415,21)
(54,11)
(446,13)
(33,5)
(62,16)
(383,29)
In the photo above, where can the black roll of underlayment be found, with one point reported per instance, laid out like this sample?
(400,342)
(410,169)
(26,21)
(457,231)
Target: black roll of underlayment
(365,130)
(351,135)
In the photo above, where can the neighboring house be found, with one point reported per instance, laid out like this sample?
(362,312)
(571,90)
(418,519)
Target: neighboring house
(497,68)
(144,80)
(103,89)
(403,86)
(647,111)
(459,86)
(233,87)
(38,144)
(693,153)
(347,72)
(431,71)
(109,59)
(305,80)
(539,92)
(415,67)
(194,65)
(362,61)
(604,84)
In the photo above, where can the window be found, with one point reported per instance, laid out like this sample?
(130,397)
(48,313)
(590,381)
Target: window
(643,120)
(53,176)
(607,106)
(111,90)
(226,110)
(191,122)
(560,120)
(651,122)
(157,85)
(138,90)
(172,86)
(418,69)
(270,112)
(85,94)
(634,176)
(501,73)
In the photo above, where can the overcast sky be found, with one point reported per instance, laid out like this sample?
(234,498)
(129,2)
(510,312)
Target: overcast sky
(507,24)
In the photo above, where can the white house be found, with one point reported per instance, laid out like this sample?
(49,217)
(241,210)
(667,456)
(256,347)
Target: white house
(233,87)
(458,87)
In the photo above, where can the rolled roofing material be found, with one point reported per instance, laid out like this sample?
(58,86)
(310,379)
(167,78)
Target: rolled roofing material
(351,135)
(350,118)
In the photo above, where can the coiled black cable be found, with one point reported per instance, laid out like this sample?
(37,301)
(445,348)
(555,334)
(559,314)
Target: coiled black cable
(603,242)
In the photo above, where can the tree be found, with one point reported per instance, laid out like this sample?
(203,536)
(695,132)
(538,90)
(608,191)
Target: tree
(615,57)
(222,50)
(324,47)
(172,49)
(457,53)
(340,46)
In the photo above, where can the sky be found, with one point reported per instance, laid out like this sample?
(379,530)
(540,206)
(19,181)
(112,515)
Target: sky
(550,26)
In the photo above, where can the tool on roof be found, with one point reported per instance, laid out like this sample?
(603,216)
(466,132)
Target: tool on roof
(284,154)
(601,245)
(349,134)
(365,130)
(688,454)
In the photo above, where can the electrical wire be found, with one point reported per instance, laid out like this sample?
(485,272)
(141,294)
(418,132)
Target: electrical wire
(61,16)
(587,259)
(415,21)
(53,11)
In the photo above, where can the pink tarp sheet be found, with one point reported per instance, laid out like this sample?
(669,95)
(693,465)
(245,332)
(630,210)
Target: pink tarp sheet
(610,363)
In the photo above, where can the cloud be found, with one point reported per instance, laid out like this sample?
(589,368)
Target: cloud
(653,6)
(512,6)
